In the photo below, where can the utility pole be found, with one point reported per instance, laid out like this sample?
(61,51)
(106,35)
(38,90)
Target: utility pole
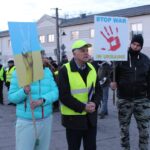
(57,35)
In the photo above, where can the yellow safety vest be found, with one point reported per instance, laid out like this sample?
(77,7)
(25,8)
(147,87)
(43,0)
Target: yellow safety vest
(2,74)
(79,89)
(9,74)
(56,73)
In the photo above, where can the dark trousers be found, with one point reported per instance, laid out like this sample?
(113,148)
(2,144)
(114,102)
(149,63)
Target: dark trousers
(7,85)
(74,138)
(1,92)
(140,108)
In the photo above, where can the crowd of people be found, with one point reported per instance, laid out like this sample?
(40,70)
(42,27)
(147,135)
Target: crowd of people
(80,89)
(5,77)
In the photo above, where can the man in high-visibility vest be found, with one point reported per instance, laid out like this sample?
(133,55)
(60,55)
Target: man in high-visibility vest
(2,78)
(9,72)
(80,95)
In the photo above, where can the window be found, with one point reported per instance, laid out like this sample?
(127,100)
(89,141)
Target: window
(74,34)
(136,28)
(9,43)
(92,32)
(42,39)
(51,38)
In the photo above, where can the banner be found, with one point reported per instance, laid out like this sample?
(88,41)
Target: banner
(26,49)
(111,38)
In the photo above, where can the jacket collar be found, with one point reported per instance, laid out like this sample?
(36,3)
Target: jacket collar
(74,67)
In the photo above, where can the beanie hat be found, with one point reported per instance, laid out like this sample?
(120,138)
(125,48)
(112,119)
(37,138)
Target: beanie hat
(79,44)
(10,62)
(138,38)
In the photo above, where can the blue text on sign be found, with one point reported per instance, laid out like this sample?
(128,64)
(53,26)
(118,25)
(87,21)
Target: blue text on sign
(103,19)
(109,19)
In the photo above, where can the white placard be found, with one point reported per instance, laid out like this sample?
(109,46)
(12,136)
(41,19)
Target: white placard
(111,38)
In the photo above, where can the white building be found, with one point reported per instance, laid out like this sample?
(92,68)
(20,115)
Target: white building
(81,28)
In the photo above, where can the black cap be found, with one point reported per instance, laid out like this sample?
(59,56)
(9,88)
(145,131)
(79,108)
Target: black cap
(11,61)
(139,39)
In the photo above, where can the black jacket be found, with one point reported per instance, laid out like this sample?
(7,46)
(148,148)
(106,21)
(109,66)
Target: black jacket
(133,77)
(78,121)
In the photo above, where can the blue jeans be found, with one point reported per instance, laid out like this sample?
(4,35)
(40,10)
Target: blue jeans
(104,108)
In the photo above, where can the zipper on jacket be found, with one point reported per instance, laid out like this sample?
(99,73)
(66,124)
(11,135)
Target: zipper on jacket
(42,107)
(135,69)
(135,74)
(39,89)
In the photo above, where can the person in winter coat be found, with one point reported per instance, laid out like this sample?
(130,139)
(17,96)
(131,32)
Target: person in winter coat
(133,91)
(38,97)
(80,97)
(2,79)
(104,72)
(9,72)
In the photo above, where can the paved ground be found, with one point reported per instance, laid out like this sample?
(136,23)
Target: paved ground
(107,134)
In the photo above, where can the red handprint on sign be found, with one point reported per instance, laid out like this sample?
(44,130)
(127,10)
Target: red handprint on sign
(113,41)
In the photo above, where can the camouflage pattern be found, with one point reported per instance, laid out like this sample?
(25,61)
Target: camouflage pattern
(140,108)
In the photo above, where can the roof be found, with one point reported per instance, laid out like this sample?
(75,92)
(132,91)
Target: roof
(47,17)
(4,34)
(128,12)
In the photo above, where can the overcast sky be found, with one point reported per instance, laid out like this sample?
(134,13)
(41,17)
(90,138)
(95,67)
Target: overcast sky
(32,10)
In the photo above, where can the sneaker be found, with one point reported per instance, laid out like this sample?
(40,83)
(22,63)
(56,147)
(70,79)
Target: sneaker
(102,115)
(106,113)
(11,104)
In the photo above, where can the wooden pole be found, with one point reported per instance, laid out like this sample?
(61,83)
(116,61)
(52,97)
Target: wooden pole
(114,91)
(34,123)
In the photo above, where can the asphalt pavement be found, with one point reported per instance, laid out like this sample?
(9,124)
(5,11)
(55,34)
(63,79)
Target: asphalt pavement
(107,133)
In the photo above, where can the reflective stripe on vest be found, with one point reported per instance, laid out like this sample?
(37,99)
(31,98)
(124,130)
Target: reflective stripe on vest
(2,74)
(85,90)
(79,90)
(9,74)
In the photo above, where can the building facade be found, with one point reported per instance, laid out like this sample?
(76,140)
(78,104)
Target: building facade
(80,28)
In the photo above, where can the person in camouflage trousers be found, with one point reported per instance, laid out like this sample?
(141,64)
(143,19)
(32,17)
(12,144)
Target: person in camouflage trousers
(140,109)
(132,80)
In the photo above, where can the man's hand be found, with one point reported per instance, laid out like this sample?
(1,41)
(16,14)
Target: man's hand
(90,107)
(113,85)
(34,104)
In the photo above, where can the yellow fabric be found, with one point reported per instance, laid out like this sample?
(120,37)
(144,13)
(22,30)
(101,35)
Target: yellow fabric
(78,88)
(9,74)
(80,43)
(1,74)
(56,73)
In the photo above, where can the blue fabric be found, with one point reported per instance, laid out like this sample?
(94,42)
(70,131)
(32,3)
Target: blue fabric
(45,88)
(104,108)
(24,37)
(25,134)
